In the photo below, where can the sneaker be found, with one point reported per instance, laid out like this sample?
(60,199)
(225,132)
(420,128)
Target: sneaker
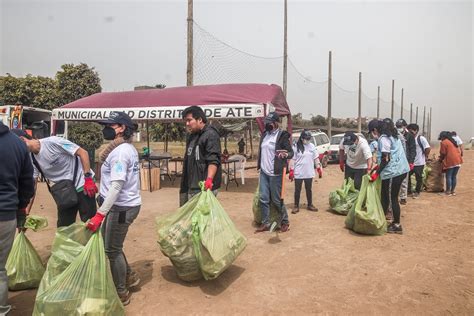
(124,297)
(285,227)
(453,193)
(132,279)
(295,210)
(395,229)
(262,228)
(312,208)
(403,201)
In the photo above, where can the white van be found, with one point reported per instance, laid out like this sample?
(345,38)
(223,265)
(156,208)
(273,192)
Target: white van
(36,122)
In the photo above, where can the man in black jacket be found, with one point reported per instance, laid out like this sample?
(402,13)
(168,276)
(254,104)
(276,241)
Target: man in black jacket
(275,149)
(410,151)
(16,190)
(202,159)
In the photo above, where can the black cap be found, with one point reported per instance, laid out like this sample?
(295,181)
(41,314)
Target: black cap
(374,124)
(305,134)
(272,117)
(20,133)
(401,123)
(349,138)
(121,118)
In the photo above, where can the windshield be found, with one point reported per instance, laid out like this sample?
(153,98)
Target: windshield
(335,140)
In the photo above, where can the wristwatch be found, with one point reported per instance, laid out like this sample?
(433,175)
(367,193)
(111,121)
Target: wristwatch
(88,174)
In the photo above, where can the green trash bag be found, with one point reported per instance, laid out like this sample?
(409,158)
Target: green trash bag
(367,216)
(35,222)
(257,210)
(85,287)
(199,238)
(341,200)
(24,266)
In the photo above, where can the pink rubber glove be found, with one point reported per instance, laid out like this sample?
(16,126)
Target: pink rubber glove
(374,176)
(341,165)
(292,175)
(412,165)
(90,189)
(320,172)
(208,184)
(94,223)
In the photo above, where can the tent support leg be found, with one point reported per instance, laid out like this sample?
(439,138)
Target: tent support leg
(149,153)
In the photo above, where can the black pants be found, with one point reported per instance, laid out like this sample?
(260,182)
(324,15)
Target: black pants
(354,174)
(390,194)
(418,171)
(308,183)
(86,208)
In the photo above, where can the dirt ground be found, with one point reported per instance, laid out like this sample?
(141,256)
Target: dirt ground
(318,267)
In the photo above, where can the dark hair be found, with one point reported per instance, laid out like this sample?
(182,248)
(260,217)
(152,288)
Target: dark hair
(453,133)
(196,112)
(128,132)
(413,127)
(447,135)
(299,143)
(388,128)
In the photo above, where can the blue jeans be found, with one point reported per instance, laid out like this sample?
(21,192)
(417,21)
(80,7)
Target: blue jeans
(270,190)
(451,175)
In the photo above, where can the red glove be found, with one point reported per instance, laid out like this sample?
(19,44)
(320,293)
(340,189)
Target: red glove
(292,174)
(90,188)
(208,184)
(341,165)
(412,165)
(95,222)
(374,176)
(320,172)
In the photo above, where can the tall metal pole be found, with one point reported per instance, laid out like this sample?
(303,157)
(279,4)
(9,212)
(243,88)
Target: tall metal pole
(189,71)
(424,115)
(431,120)
(285,51)
(401,111)
(378,102)
(329,118)
(359,117)
(393,101)
(416,118)
(411,113)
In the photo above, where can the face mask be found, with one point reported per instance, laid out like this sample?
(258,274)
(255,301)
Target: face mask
(352,147)
(269,127)
(109,133)
(401,130)
(305,141)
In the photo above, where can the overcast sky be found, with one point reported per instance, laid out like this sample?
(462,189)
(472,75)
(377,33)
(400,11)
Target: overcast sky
(426,46)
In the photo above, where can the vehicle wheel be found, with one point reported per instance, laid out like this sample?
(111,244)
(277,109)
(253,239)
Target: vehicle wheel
(324,163)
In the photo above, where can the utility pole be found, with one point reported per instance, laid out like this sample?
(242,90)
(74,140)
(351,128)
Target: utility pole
(359,117)
(401,111)
(285,51)
(329,123)
(378,102)
(416,119)
(431,120)
(424,115)
(411,113)
(189,71)
(393,101)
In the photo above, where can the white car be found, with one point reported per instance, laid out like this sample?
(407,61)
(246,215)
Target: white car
(320,140)
(333,155)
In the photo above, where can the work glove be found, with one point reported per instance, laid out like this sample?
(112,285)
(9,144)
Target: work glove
(341,165)
(412,165)
(374,176)
(94,223)
(90,189)
(208,184)
(292,175)
(320,172)
(21,219)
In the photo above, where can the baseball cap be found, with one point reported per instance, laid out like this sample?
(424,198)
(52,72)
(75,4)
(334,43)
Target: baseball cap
(20,133)
(272,117)
(374,124)
(121,118)
(305,134)
(401,123)
(349,138)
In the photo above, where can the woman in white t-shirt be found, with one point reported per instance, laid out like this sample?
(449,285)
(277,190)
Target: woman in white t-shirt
(119,198)
(304,163)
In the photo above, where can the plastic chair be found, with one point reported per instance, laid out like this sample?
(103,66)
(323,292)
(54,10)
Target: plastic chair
(239,167)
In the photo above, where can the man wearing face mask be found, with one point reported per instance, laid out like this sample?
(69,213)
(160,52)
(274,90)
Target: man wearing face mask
(275,149)
(409,145)
(58,159)
(358,157)
(119,198)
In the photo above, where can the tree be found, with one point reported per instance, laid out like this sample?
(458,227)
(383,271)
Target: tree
(318,120)
(75,82)
(171,131)
(86,134)
(35,91)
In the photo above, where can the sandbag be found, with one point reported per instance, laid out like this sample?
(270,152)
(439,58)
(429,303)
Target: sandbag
(435,176)
(257,210)
(24,266)
(85,287)
(199,238)
(367,216)
(341,200)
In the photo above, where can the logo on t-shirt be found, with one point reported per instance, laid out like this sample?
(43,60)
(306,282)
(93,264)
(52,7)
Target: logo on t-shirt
(68,147)
(118,167)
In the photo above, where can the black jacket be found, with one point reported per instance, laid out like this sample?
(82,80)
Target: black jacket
(410,147)
(195,165)
(16,175)
(283,142)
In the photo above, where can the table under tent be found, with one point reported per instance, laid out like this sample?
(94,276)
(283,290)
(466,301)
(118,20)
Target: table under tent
(222,102)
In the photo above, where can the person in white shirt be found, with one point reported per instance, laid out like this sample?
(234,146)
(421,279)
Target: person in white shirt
(458,141)
(358,156)
(302,169)
(119,198)
(422,153)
